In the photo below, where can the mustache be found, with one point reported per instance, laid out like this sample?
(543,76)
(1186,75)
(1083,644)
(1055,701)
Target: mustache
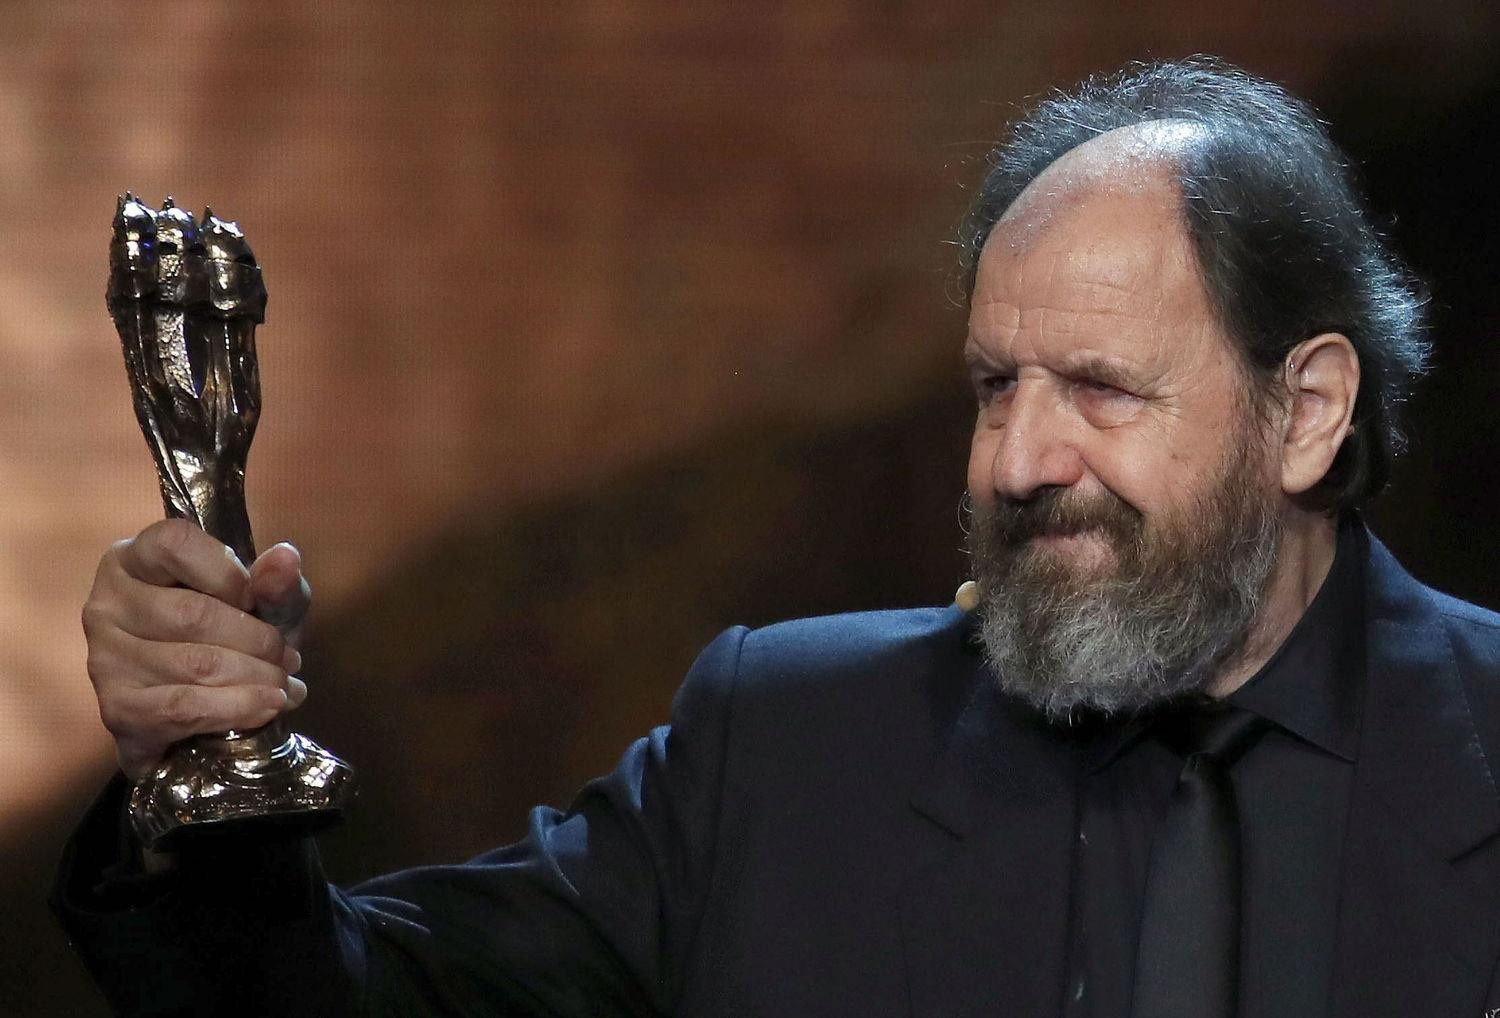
(1058,512)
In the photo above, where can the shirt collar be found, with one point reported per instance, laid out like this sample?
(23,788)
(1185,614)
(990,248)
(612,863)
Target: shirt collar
(1310,686)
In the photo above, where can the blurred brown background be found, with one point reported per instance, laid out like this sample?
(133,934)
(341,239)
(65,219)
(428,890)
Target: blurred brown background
(594,328)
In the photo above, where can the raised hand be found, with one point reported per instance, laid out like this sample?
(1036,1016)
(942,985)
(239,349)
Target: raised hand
(173,647)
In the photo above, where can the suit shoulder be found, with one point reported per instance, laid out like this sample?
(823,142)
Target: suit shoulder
(1474,634)
(857,641)
(1474,639)
(831,657)
(839,671)
(1465,613)
(833,700)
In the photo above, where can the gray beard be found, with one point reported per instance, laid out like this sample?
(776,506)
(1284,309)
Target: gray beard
(1179,602)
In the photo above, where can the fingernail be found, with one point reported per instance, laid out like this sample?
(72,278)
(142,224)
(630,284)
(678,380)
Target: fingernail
(296,690)
(291,660)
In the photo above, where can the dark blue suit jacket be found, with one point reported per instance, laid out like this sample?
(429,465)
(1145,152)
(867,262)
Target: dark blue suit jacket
(843,818)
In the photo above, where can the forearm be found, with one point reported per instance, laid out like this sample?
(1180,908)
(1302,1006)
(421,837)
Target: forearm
(594,912)
(234,928)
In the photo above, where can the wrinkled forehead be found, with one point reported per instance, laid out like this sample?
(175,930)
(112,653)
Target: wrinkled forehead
(1096,247)
(1139,161)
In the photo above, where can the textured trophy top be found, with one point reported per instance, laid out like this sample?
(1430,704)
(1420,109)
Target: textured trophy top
(168,259)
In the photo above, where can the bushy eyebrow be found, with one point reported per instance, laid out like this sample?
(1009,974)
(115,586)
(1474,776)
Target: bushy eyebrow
(975,357)
(1085,364)
(1105,370)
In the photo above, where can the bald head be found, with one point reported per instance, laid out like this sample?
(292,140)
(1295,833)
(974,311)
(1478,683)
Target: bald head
(1139,161)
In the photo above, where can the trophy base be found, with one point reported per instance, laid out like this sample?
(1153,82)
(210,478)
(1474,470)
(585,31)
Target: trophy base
(238,784)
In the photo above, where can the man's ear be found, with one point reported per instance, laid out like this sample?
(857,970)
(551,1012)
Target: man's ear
(1322,380)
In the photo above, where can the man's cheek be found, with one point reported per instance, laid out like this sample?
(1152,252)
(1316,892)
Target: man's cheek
(980,475)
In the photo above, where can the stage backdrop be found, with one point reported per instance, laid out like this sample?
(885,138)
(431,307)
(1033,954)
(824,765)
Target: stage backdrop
(594,328)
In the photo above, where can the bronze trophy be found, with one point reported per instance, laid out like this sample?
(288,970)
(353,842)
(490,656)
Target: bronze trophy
(186,297)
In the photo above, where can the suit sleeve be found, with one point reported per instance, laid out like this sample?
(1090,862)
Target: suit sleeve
(593,912)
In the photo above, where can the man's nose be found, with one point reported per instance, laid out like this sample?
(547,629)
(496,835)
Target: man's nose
(1037,446)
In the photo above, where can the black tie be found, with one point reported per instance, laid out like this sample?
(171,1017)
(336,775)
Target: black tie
(1187,963)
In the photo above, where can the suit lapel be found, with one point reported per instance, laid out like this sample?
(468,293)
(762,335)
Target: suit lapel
(984,916)
(1417,930)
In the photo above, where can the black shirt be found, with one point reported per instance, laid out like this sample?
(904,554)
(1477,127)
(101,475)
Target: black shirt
(1292,788)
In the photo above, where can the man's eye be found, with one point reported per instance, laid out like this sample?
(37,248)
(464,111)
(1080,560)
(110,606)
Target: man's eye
(1105,405)
(990,386)
(1094,387)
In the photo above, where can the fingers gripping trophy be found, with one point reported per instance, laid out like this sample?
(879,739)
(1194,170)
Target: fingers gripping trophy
(186,297)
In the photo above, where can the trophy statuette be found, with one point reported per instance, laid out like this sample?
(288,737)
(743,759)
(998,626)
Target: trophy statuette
(185,297)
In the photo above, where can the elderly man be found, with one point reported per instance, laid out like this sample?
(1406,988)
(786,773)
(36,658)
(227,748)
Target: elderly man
(1194,745)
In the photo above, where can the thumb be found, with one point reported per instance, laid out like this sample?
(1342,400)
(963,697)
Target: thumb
(281,592)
